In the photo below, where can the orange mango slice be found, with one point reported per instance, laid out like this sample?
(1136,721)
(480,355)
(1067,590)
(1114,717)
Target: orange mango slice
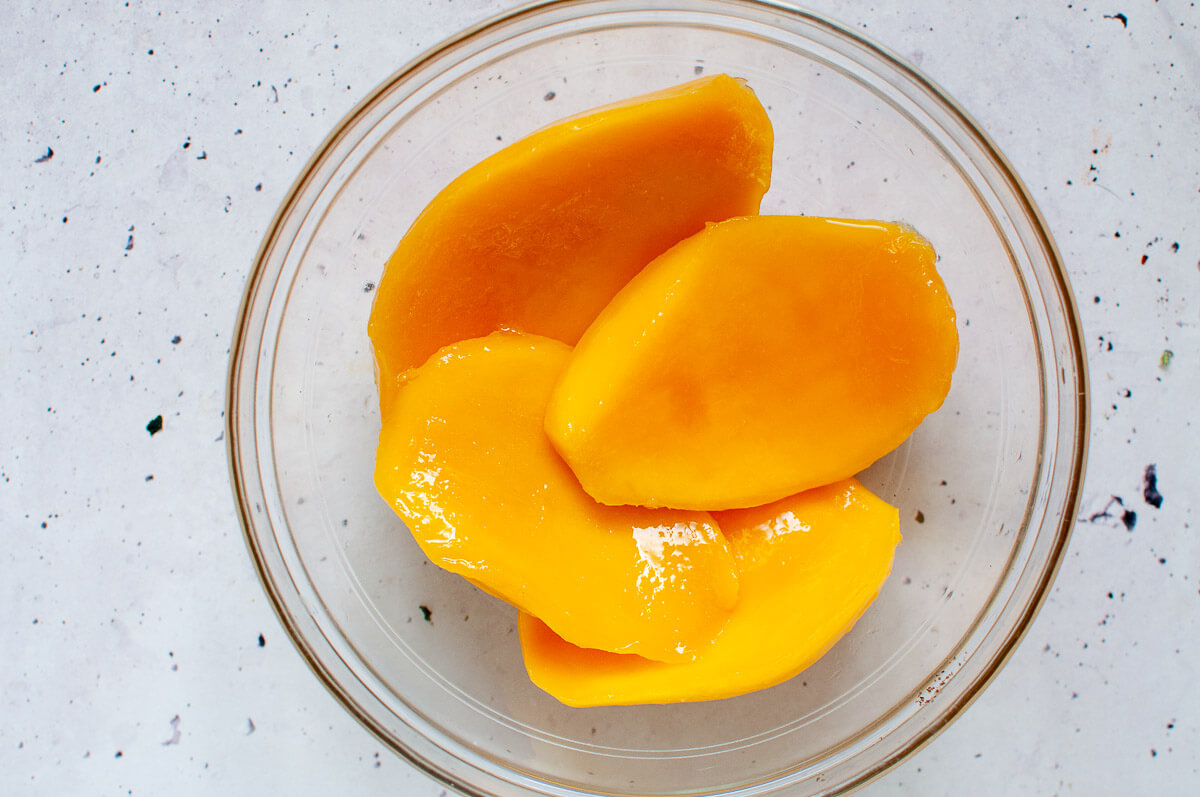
(808,567)
(759,358)
(539,236)
(462,459)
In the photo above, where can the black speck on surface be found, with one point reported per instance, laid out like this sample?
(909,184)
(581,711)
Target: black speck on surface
(176,340)
(129,243)
(155,426)
(1175,246)
(1129,518)
(118,754)
(150,477)
(368,287)
(187,143)
(549,96)
(258,187)
(426,612)
(1150,486)
(49,154)
(1124,20)
(262,641)
(203,156)
(95,88)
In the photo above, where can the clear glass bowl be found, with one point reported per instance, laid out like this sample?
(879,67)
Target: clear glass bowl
(987,487)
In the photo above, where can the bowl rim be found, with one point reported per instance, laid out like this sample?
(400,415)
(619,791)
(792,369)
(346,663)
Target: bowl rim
(255,280)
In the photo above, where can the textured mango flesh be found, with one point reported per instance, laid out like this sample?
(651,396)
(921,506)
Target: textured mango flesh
(759,358)
(538,237)
(463,460)
(808,567)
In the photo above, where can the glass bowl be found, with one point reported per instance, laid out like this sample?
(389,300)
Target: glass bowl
(987,486)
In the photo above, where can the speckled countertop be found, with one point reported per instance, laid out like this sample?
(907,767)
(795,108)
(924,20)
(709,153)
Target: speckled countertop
(145,147)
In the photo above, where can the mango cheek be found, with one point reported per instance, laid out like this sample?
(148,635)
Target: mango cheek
(539,236)
(762,357)
(463,461)
(808,566)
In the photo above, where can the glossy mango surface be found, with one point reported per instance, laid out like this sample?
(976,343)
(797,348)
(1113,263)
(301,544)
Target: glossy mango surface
(808,567)
(761,357)
(463,460)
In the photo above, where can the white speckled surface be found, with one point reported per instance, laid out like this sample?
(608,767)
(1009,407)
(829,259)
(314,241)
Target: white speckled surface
(138,654)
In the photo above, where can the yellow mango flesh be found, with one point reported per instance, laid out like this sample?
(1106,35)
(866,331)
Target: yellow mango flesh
(759,358)
(463,460)
(808,567)
(538,237)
